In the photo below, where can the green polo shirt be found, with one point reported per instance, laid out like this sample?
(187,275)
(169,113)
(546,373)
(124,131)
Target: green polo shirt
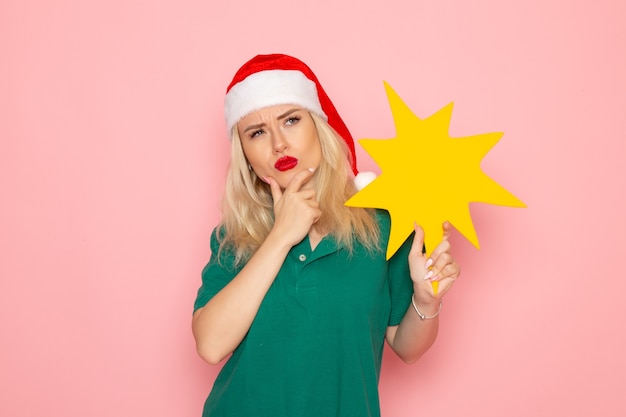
(315,346)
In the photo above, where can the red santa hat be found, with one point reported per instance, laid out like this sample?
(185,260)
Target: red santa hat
(269,80)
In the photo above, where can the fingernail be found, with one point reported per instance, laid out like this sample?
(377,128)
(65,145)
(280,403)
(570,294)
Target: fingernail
(428,275)
(265,179)
(429,263)
(434,278)
(312,169)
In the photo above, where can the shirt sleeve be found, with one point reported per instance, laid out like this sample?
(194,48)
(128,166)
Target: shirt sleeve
(398,274)
(216,274)
(400,283)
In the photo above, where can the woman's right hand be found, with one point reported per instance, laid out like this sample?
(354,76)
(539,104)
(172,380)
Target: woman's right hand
(295,209)
(220,326)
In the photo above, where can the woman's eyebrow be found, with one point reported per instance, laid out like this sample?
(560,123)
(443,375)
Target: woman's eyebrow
(279,117)
(256,126)
(287,113)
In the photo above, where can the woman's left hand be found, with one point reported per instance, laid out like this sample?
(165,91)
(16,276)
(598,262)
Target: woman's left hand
(439,267)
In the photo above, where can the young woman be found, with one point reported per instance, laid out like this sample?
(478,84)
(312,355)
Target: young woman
(298,291)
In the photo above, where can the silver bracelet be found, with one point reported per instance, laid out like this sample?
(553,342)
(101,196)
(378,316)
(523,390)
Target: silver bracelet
(422,315)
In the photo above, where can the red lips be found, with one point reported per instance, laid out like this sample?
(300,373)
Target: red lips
(286,163)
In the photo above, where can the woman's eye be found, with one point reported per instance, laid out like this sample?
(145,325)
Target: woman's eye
(256,133)
(292,120)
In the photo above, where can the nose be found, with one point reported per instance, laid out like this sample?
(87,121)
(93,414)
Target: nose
(279,142)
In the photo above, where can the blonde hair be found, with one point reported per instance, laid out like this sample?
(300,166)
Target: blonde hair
(248,208)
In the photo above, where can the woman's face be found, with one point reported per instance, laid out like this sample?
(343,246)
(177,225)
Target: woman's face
(280,141)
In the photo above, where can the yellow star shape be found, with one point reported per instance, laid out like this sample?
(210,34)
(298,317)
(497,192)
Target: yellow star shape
(428,177)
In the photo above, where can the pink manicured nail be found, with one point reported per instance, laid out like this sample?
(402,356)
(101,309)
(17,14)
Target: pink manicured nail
(265,179)
(429,263)
(434,278)
(428,275)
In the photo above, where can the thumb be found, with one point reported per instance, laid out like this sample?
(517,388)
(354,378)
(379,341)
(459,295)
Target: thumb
(417,249)
(275,189)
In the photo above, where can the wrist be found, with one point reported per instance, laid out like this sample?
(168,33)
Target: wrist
(278,242)
(427,311)
(425,300)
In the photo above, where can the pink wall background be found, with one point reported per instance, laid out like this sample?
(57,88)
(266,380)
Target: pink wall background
(112,163)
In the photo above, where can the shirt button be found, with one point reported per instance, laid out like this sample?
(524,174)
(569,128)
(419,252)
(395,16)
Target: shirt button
(302,258)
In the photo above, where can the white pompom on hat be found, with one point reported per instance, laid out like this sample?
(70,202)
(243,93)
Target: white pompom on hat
(269,80)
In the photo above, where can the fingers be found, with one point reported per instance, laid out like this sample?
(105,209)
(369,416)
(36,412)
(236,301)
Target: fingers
(443,246)
(294,185)
(296,208)
(447,228)
(275,189)
(442,264)
(299,180)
